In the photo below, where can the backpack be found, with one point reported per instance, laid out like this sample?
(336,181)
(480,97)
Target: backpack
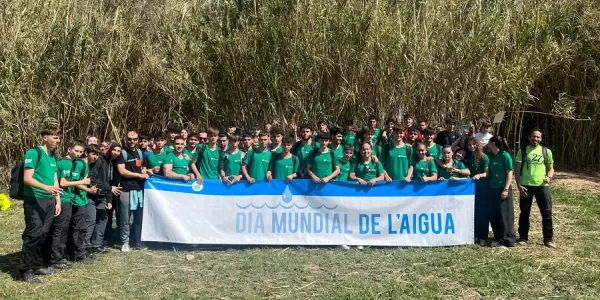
(17,178)
(124,154)
(524,154)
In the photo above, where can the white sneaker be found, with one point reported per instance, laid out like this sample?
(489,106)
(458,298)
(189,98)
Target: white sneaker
(360,247)
(345,247)
(125,248)
(495,244)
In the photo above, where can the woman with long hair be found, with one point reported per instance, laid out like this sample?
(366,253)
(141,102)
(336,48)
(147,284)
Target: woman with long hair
(500,198)
(478,163)
(422,168)
(367,170)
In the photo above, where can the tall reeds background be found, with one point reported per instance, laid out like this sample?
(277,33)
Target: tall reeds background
(103,66)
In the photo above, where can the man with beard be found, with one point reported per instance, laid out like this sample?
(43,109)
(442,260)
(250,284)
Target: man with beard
(303,149)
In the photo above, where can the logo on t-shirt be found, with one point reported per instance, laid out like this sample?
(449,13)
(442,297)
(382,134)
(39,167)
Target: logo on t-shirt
(28,160)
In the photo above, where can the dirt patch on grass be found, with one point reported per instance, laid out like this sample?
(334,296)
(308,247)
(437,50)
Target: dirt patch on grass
(578,181)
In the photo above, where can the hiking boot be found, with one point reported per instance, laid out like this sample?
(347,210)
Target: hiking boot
(125,248)
(522,242)
(44,271)
(550,244)
(29,277)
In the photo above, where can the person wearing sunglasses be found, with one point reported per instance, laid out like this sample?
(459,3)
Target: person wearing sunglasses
(202,137)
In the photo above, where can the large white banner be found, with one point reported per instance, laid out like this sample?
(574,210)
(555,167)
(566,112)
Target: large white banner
(303,213)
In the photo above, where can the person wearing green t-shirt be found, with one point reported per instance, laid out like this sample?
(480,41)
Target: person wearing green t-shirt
(422,167)
(372,125)
(276,146)
(346,163)
(452,169)
(336,143)
(156,158)
(60,225)
(478,164)
(78,226)
(230,164)
(41,203)
(434,151)
(534,171)
(388,132)
(284,165)
(172,132)
(501,211)
(367,171)
(396,157)
(247,143)
(256,164)
(369,135)
(177,163)
(303,149)
(192,142)
(322,165)
(223,142)
(205,164)
(349,134)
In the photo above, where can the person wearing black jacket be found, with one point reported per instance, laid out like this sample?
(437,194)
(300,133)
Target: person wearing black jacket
(110,156)
(101,201)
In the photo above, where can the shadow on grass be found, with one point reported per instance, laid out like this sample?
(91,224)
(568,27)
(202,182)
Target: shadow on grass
(8,264)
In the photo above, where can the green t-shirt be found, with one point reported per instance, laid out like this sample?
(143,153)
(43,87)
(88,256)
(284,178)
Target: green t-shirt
(376,150)
(435,151)
(156,160)
(45,170)
(303,153)
(65,167)
(455,164)
(423,168)
(281,167)
(349,138)
(499,165)
(257,164)
(484,163)
(231,163)
(377,137)
(322,164)
(80,171)
(190,153)
(276,150)
(338,152)
(345,168)
(368,171)
(181,165)
(534,169)
(396,161)
(208,164)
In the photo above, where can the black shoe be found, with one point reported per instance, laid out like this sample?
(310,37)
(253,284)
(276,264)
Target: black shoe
(66,262)
(91,255)
(44,271)
(85,260)
(99,250)
(29,277)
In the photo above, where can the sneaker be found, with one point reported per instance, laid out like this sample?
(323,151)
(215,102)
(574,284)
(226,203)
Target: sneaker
(345,247)
(498,245)
(550,244)
(99,250)
(85,260)
(125,248)
(44,271)
(66,262)
(60,266)
(360,247)
(482,242)
(522,242)
(29,277)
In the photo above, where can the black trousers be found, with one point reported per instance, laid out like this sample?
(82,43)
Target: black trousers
(77,231)
(90,222)
(482,220)
(39,213)
(57,238)
(544,202)
(109,232)
(502,216)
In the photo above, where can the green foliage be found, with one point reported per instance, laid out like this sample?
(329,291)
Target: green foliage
(99,67)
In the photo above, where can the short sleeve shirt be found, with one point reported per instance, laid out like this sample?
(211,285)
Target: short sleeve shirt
(534,167)
(499,165)
(134,163)
(45,170)
(65,167)
(423,168)
(368,171)
(181,165)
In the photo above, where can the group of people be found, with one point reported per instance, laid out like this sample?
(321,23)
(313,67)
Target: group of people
(69,202)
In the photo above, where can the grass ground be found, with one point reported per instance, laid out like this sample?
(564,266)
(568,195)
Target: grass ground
(471,272)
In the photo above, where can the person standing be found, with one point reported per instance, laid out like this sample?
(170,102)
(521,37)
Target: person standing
(349,133)
(422,167)
(322,165)
(448,136)
(256,164)
(485,133)
(303,149)
(230,162)
(283,165)
(114,152)
(367,171)
(478,164)
(501,210)
(132,168)
(205,164)
(396,157)
(157,156)
(191,144)
(535,169)
(450,168)
(40,205)
(101,200)
(276,146)
(177,163)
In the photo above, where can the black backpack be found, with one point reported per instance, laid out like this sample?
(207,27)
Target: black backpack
(17,181)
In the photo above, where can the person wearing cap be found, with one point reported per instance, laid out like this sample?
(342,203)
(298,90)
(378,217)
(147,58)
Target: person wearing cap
(448,136)
(534,169)
(322,166)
